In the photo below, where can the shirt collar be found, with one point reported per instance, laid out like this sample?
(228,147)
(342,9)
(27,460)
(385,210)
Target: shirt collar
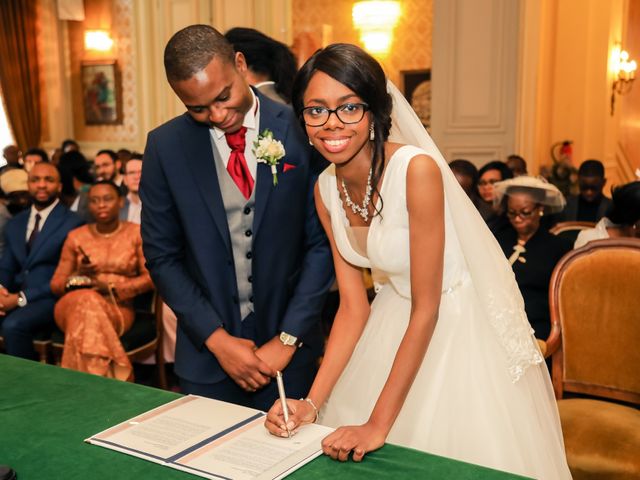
(44,213)
(249,119)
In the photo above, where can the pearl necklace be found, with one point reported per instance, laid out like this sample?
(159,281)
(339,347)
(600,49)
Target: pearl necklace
(362,210)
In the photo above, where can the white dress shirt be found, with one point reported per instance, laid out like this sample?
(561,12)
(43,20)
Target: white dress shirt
(252,122)
(44,213)
(600,232)
(135,209)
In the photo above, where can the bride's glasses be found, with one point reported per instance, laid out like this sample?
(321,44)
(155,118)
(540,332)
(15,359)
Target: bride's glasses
(347,113)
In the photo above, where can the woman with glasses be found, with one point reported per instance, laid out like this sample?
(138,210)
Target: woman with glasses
(532,251)
(443,359)
(490,174)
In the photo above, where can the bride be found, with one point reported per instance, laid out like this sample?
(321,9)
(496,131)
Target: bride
(444,359)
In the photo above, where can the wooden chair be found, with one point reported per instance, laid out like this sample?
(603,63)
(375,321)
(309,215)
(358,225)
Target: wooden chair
(594,298)
(41,344)
(570,230)
(142,340)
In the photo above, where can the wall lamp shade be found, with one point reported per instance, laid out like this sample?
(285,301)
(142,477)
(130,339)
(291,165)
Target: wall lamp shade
(624,71)
(376,20)
(98,40)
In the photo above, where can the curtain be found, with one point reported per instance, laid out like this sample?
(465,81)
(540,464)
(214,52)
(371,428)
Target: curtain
(19,70)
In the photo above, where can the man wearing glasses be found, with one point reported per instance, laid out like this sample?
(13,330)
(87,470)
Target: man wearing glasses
(133,205)
(234,245)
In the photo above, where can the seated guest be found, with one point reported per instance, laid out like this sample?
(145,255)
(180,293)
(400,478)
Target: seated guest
(76,178)
(101,270)
(271,65)
(132,204)
(33,156)
(131,212)
(33,240)
(532,251)
(517,165)
(490,174)
(69,145)
(108,167)
(11,155)
(15,187)
(124,155)
(591,204)
(623,219)
(467,175)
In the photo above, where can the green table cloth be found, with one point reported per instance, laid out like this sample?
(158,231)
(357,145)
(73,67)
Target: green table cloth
(46,412)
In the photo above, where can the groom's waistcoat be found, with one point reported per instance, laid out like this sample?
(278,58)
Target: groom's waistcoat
(240,220)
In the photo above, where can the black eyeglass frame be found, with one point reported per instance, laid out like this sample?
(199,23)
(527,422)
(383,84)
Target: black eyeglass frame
(365,109)
(522,214)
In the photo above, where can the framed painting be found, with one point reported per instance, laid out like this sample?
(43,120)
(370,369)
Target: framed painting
(101,92)
(416,86)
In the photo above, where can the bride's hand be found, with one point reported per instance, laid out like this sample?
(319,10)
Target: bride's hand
(300,413)
(357,440)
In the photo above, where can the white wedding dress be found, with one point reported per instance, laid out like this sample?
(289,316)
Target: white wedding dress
(474,398)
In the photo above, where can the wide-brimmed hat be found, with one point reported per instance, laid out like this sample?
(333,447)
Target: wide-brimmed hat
(541,191)
(14,180)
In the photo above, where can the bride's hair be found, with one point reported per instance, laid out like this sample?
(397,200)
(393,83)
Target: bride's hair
(360,72)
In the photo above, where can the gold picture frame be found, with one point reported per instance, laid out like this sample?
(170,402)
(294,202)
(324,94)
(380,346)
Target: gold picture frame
(416,87)
(101,92)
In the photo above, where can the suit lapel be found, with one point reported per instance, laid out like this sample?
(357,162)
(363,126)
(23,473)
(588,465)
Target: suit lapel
(54,220)
(19,235)
(199,157)
(264,183)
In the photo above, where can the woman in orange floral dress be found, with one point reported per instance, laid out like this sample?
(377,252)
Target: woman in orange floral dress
(107,255)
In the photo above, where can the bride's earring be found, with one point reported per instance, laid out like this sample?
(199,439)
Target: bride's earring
(372,133)
(310,142)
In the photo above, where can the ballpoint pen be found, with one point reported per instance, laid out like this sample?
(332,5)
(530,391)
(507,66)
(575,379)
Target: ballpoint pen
(283,400)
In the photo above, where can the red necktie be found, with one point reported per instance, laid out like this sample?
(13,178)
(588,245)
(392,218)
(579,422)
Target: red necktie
(237,166)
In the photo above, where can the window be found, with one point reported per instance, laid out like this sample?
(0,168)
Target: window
(6,137)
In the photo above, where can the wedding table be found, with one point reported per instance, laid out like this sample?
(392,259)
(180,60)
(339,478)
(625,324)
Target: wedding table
(46,412)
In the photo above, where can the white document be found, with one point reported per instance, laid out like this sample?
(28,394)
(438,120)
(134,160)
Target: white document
(213,439)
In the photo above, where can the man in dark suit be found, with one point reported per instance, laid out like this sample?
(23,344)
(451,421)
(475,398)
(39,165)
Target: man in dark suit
(242,262)
(591,204)
(33,240)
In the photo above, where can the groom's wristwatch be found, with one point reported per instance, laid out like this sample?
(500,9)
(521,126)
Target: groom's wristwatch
(289,340)
(22,299)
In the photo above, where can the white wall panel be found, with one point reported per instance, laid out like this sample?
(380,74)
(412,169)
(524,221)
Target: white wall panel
(474,75)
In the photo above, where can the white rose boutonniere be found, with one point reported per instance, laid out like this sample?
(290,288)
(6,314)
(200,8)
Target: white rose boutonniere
(268,150)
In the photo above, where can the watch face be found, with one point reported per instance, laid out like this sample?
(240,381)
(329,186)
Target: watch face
(287,339)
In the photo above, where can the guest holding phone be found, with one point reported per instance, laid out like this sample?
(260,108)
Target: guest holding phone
(101,270)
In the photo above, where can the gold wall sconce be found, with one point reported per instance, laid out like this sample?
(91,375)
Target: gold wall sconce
(376,20)
(624,71)
(98,40)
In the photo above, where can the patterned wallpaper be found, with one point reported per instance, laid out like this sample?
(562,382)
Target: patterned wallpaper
(411,49)
(122,32)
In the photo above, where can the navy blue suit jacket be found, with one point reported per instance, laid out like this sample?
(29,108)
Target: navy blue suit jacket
(188,249)
(31,272)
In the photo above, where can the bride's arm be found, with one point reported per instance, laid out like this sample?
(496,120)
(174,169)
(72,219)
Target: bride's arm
(348,325)
(425,204)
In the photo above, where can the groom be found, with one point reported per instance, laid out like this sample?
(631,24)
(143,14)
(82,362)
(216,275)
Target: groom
(244,263)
